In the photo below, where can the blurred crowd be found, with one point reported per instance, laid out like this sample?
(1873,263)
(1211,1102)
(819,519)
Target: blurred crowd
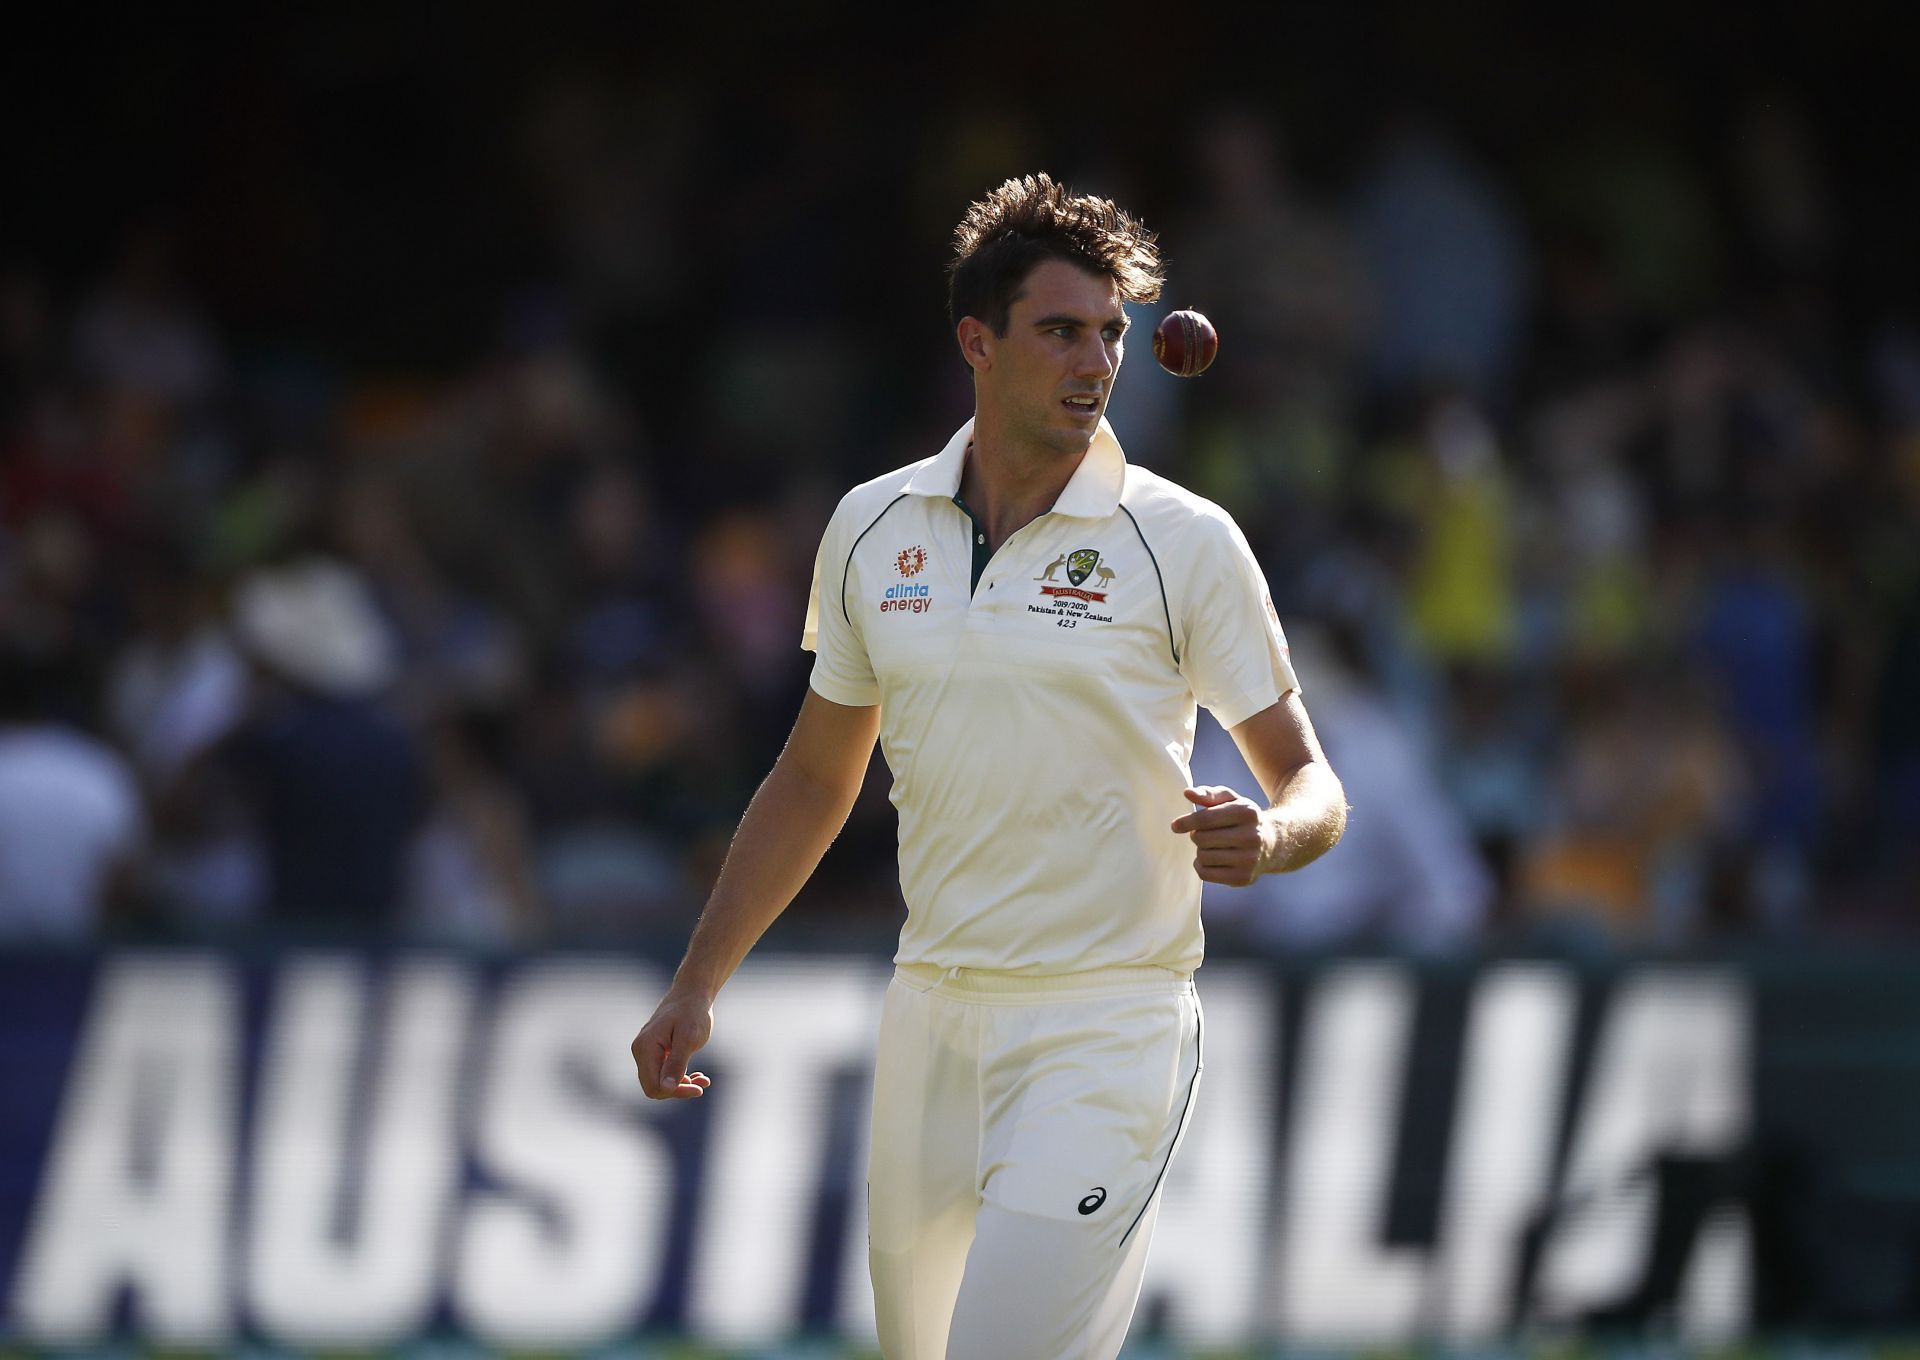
(1590,500)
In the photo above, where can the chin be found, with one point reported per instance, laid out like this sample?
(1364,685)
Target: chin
(1072,439)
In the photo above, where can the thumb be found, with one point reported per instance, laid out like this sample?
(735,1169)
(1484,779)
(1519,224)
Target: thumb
(1209,795)
(673,1069)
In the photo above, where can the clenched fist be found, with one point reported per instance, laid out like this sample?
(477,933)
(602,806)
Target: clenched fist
(1233,836)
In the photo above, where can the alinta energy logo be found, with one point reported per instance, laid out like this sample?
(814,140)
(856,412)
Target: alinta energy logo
(1081,563)
(903,597)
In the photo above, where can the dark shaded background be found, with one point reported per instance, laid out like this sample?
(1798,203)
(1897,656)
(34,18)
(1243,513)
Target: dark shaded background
(317,166)
(564,329)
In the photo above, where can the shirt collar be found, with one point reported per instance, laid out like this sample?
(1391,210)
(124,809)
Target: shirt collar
(1093,492)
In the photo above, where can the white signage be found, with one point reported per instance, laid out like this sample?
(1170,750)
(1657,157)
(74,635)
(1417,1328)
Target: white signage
(423,1145)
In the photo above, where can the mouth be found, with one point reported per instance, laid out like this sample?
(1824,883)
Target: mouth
(1086,405)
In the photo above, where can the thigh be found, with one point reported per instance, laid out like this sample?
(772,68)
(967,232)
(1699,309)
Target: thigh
(1045,1289)
(1088,1106)
(1084,1103)
(922,1170)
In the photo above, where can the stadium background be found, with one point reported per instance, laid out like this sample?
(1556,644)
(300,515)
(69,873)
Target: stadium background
(1569,391)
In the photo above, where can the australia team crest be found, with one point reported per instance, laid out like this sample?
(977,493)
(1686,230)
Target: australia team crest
(1082,564)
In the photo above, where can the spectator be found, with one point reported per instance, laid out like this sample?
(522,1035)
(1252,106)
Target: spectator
(1756,640)
(71,820)
(1284,274)
(1449,265)
(470,875)
(337,780)
(1286,285)
(174,689)
(1647,797)
(177,684)
(1449,481)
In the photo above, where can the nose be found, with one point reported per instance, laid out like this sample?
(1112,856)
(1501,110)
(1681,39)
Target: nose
(1095,359)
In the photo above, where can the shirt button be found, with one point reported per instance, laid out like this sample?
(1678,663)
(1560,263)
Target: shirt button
(981,539)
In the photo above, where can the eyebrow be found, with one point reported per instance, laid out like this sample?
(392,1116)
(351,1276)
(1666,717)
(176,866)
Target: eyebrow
(1047,323)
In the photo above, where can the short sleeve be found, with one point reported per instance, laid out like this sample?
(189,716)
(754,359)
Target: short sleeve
(842,671)
(1234,653)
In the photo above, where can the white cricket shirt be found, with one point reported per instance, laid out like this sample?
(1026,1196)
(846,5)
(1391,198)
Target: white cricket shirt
(1039,727)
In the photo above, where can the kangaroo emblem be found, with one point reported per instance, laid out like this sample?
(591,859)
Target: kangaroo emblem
(1052,567)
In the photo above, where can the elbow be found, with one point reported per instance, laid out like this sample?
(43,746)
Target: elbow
(1321,836)
(1336,824)
(1320,823)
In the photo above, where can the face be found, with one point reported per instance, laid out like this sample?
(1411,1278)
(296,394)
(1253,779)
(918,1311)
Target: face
(1047,380)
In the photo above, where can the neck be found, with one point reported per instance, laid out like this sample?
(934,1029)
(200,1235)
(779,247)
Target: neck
(1008,484)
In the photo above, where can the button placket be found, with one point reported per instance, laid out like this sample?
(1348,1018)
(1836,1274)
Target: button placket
(1006,552)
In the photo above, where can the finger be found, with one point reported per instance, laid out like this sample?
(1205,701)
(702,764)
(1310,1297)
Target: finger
(1241,836)
(1227,857)
(1225,874)
(691,1087)
(1238,813)
(1209,795)
(1226,878)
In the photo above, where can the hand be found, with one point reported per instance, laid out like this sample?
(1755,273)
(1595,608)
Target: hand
(1232,836)
(678,1028)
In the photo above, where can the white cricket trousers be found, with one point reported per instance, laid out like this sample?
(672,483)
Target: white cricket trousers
(1022,1128)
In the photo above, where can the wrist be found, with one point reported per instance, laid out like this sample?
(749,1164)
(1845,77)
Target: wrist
(694,986)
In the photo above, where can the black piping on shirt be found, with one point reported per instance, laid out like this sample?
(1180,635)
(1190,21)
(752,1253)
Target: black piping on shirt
(1165,612)
(846,568)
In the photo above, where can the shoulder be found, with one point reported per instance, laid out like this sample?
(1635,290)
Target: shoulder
(76,765)
(865,503)
(71,749)
(1169,513)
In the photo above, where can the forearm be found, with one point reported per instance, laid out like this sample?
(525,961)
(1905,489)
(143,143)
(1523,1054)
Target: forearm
(787,827)
(1306,819)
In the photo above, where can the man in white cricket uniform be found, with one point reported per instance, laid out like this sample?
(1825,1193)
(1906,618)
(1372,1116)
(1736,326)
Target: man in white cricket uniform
(1026,621)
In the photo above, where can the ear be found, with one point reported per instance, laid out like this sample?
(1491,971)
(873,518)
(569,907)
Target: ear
(976,339)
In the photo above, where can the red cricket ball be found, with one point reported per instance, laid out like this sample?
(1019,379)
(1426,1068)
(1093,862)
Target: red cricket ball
(1185,342)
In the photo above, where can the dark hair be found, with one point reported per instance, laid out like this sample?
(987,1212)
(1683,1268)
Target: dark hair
(1027,221)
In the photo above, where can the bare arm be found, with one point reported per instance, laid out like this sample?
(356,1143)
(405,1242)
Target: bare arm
(799,809)
(1235,838)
